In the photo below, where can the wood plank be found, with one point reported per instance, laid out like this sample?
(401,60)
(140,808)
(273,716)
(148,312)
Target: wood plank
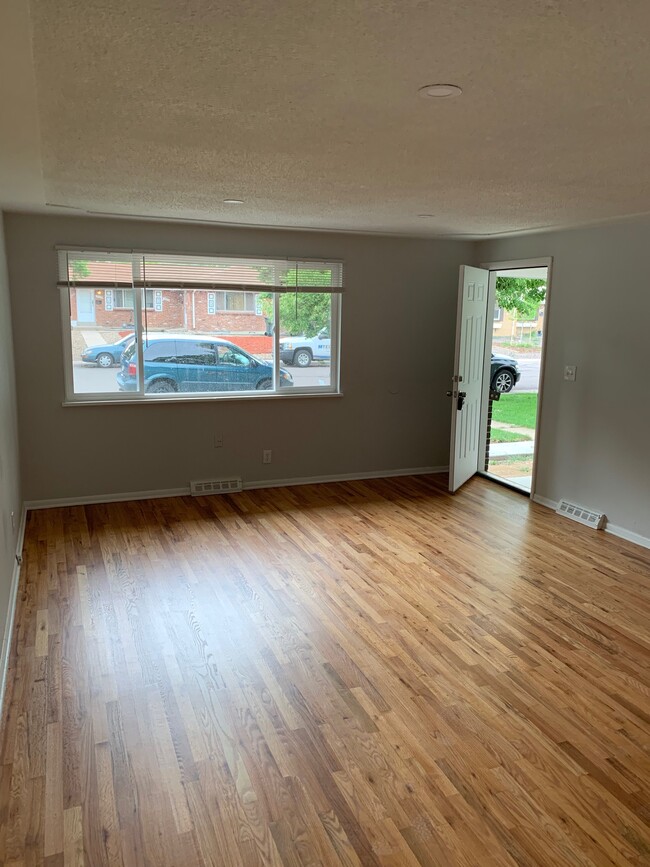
(366,673)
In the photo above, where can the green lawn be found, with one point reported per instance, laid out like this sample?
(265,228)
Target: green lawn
(517,409)
(507,436)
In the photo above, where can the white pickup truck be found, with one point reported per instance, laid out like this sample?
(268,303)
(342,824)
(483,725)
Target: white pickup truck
(301,351)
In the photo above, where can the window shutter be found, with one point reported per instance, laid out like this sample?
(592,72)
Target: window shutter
(237,274)
(157,301)
(212,303)
(124,270)
(108,299)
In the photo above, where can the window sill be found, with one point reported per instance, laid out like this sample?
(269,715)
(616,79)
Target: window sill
(159,400)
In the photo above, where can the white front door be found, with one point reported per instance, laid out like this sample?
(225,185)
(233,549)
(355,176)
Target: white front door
(85,305)
(466,389)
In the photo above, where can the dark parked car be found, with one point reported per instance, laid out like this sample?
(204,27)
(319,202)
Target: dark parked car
(504,373)
(108,354)
(184,363)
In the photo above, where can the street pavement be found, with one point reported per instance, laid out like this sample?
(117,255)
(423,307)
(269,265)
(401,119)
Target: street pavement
(530,370)
(90,379)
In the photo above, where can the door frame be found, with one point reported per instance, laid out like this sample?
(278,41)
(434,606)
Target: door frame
(540,262)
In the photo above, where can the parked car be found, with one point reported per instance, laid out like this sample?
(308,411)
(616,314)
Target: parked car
(301,351)
(106,355)
(504,373)
(193,363)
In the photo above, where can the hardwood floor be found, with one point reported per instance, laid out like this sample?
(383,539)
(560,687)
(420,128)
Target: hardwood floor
(369,673)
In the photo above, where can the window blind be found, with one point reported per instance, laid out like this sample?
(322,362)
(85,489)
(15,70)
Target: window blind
(107,269)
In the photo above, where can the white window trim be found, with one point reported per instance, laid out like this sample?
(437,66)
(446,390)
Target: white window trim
(94,400)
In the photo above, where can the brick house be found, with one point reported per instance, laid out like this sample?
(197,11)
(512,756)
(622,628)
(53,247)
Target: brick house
(217,311)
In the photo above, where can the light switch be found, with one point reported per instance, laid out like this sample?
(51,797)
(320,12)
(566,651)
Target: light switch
(570,373)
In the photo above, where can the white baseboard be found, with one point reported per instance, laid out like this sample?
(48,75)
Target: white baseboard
(613,529)
(628,535)
(544,501)
(344,477)
(11,609)
(31,505)
(248,486)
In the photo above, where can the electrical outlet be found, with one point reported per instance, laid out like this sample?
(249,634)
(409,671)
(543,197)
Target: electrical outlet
(570,372)
(218,440)
(266,456)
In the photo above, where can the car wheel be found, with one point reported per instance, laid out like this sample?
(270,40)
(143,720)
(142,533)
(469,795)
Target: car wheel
(161,386)
(503,381)
(302,358)
(105,359)
(264,385)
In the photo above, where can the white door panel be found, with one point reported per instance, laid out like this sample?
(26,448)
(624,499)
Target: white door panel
(86,305)
(466,390)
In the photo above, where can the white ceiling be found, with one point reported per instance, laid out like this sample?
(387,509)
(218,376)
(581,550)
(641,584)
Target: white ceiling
(310,112)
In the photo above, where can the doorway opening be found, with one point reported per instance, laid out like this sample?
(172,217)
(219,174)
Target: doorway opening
(517,312)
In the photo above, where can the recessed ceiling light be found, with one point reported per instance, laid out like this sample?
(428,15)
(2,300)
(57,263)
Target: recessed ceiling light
(426,215)
(233,201)
(440,91)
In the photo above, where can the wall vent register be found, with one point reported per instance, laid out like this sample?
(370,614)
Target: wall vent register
(583,516)
(215,486)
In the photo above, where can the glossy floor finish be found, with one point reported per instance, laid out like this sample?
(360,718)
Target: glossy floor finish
(371,673)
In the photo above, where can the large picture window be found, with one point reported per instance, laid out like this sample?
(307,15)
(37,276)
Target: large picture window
(151,326)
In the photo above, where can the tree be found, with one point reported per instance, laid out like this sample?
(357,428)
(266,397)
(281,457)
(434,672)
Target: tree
(303,313)
(80,269)
(520,295)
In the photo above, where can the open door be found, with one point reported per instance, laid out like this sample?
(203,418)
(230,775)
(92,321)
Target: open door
(466,389)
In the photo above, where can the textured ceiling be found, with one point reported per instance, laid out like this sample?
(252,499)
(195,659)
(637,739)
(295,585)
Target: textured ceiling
(310,112)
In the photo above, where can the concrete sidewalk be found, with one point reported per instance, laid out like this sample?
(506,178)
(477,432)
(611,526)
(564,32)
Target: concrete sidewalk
(93,338)
(502,450)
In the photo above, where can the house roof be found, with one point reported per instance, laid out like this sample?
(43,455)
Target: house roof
(121,272)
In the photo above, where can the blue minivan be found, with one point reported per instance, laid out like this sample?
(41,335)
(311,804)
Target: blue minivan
(191,363)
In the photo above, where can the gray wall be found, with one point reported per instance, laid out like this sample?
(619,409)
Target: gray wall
(595,432)
(397,343)
(10,494)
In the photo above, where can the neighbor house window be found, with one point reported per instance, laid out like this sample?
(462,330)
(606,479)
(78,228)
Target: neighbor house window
(243,301)
(123,299)
(286,343)
(498,314)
